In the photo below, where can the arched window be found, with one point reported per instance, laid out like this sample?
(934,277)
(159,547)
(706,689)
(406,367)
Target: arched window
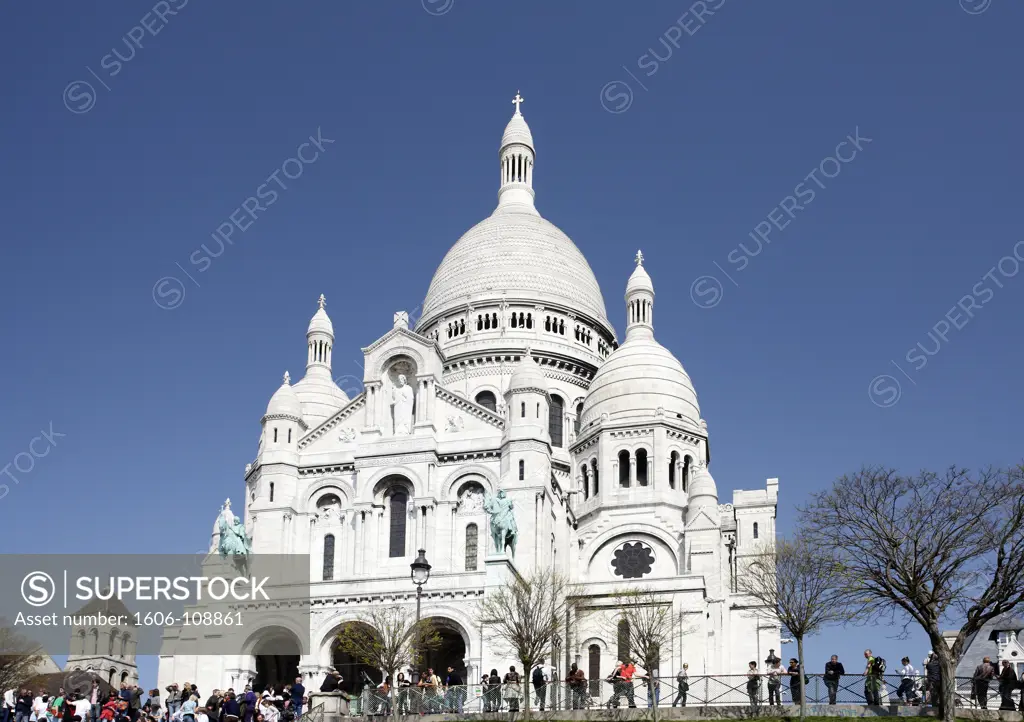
(124,645)
(586,482)
(623,640)
(522,410)
(95,641)
(328,557)
(555,409)
(522,470)
(593,474)
(579,415)
(471,545)
(399,512)
(113,640)
(529,320)
(686,472)
(755,530)
(624,469)
(487,400)
(641,467)
(594,671)
(672,461)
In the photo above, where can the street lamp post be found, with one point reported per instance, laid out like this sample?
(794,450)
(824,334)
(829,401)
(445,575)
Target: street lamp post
(420,574)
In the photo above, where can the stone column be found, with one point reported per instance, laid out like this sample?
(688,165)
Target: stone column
(357,542)
(632,470)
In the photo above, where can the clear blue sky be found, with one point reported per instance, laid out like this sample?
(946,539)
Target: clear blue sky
(160,408)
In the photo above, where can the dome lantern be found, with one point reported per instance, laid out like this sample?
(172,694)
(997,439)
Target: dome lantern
(516,158)
(639,302)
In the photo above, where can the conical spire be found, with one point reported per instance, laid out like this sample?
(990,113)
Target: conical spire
(639,302)
(516,157)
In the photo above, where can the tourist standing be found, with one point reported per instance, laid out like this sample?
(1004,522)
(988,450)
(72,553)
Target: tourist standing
(907,677)
(872,679)
(403,685)
(23,705)
(795,672)
(983,674)
(456,692)
(834,672)
(1007,683)
(539,682)
(682,685)
(753,683)
(512,689)
(298,695)
(775,674)
(933,673)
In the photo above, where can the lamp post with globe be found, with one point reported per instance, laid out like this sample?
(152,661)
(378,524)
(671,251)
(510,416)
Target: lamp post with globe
(420,574)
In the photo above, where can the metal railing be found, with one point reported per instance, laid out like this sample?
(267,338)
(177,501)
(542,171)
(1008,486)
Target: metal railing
(701,691)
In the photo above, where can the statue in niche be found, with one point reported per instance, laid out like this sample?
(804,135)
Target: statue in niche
(401,406)
(471,501)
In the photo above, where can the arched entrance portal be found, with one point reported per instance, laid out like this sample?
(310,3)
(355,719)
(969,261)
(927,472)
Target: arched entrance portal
(277,660)
(353,672)
(450,653)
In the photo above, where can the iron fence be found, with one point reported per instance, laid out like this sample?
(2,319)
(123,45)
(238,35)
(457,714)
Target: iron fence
(700,691)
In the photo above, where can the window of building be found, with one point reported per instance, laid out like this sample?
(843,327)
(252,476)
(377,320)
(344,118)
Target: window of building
(633,560)
(594,669)
(579,415)
(471,547)
(755,530)
(289,436)
(399,512)
(672,461)
(271,491)
(523,410)
(593,475)
(487,400)
(124,645)
(623,640)
(522,470)
(555,409)
(624,469)
(275,434)
(586,482)
(687,461)
(641,467)
(328,557)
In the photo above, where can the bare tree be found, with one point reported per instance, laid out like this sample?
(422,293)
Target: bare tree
(525,616)
(642,621)
(929,547)
(799,585)
(388,638)
(20,658)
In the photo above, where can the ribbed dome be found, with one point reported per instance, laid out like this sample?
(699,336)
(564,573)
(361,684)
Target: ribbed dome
(320,397)
(517,131)
(321,322)
(638,378)
(285,402)
(640,280)
(518,256)
(527,375)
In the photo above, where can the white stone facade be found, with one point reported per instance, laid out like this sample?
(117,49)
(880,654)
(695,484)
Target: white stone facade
(517,383)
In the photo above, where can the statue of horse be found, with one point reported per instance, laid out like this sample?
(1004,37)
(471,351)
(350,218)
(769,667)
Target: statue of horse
(504,531)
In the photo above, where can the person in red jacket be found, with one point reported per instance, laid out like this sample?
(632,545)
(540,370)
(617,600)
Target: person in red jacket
(628,670)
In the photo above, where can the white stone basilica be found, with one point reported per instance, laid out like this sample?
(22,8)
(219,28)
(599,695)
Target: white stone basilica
(512,379)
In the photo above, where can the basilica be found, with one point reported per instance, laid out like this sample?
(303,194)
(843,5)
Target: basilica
(513,379)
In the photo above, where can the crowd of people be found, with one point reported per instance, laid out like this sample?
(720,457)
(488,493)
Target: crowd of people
(181,704)
(426,692)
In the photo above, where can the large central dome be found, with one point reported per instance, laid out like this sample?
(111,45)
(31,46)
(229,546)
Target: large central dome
(515,255)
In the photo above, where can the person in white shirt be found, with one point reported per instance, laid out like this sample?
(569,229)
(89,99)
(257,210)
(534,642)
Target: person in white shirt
(39,708)
(7,710)
(268,709)
(908,679)
(82,707)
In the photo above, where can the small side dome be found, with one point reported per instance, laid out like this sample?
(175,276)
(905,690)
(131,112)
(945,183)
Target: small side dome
(702,485)
(527,375)
(285,402)
(320,397)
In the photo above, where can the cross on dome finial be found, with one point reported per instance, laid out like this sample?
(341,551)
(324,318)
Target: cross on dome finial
(516,101)
(323,301)
(639,257)
(287,378)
